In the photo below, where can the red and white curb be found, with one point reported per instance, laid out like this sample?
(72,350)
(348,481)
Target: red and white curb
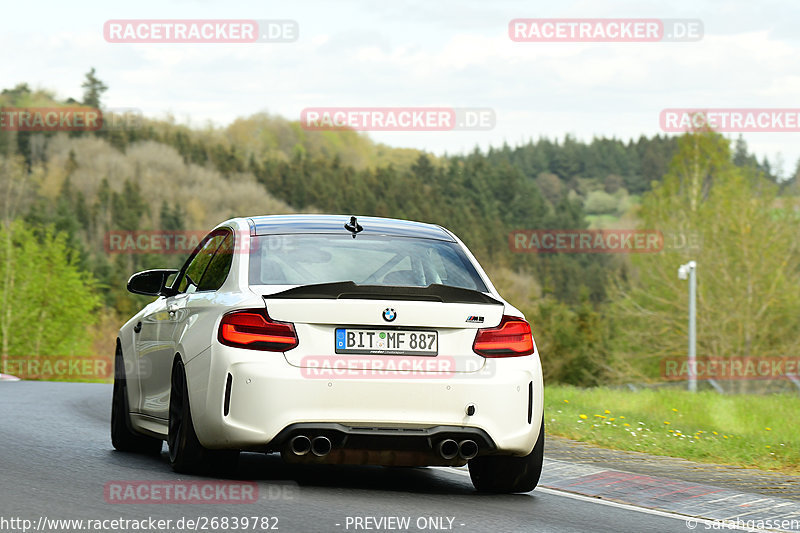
(8,377)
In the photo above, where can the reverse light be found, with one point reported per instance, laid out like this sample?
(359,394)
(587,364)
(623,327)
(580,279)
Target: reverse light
(511,338)
(255,330)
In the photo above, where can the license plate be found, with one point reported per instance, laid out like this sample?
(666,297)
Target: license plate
(388,342)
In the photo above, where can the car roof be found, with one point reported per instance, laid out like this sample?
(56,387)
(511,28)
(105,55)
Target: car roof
(334,224)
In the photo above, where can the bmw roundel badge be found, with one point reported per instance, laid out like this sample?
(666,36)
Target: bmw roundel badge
(389,314)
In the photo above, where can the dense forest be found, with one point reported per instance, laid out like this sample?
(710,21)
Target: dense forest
(66,191)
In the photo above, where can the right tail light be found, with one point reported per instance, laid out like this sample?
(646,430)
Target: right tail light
(511,338)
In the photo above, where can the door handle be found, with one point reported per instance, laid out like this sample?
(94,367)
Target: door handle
(138,327)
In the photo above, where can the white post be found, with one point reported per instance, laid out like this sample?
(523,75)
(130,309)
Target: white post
(689,270)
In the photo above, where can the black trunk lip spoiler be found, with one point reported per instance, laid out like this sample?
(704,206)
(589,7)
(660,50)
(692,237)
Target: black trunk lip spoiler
(347,290)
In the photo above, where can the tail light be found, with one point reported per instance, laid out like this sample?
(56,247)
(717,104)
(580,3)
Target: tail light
(255,330)
(511,338)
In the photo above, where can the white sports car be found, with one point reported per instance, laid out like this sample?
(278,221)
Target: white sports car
(331,339)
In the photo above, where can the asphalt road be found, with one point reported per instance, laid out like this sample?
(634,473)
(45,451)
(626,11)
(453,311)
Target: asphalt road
(56,459)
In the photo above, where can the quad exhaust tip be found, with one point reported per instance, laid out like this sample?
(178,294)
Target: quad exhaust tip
(467,449)
(321,446)
(300,445)
(448,449)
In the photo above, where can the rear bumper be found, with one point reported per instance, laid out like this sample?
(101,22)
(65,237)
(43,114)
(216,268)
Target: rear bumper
(268,399)
(406,446)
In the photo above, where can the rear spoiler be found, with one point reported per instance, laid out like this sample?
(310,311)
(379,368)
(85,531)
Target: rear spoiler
(347,290)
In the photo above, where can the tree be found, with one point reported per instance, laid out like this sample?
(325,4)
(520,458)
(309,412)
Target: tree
(612,183)
(171,218)
(17,94)
(748,264)
(789,185)
(15,190)
(46,301)
(51,302)
(550,186)
(93,90)
(129,206)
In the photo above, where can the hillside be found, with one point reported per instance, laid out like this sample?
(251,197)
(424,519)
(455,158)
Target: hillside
(151,174)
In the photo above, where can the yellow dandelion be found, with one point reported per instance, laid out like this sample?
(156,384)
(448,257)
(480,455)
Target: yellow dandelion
(724,436)
(566,401)
(715,433)
(621,418)
(610,419)
(769,446)
(768,429)
(626,424)
(667,423)
(675,410)
(584,417)
(607,412)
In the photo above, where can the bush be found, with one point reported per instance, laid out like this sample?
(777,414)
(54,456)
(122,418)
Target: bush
(600,202)
(572,343)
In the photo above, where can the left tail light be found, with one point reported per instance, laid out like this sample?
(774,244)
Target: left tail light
(255,330)
(511,338)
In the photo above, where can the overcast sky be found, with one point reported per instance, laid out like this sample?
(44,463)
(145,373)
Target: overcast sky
(428,53)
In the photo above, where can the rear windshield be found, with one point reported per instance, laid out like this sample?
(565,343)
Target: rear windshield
(307,259)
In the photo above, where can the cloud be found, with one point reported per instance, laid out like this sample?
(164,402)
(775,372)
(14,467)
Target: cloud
(423,53)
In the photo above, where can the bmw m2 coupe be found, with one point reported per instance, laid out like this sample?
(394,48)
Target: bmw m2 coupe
(331,339)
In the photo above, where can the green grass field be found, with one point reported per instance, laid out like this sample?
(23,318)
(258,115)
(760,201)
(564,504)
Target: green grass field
(751,431)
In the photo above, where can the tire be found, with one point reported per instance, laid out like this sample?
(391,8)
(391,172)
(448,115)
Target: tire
(506,473)
(123,438)
(186,454)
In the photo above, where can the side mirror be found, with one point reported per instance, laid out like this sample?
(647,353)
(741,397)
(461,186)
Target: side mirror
(150,282)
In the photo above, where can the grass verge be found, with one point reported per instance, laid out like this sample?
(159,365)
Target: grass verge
(750,431)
